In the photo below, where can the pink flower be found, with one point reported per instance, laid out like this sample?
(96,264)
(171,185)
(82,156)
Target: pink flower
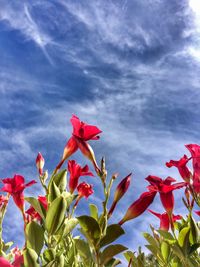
(182,168)
(165,188)
(120,191)
(40,163)
(76,171)
(15,186)
(164,219)
(85,190)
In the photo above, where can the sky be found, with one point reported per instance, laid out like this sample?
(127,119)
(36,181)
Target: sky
(129,67)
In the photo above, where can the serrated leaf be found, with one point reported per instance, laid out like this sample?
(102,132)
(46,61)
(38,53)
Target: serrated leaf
(55,215)
(90,226)
(37,206)
(94,211)
(34,236)
(110,251)
(30,258)
(113,232)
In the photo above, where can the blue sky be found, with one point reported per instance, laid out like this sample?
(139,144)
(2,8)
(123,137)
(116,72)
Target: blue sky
(130,67)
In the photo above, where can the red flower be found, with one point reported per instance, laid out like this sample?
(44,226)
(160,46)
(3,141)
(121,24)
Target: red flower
(120,191)
(182,168)
(40,163)
(69,149)
(85,190)
(5,263)
(197,212)
(33,213)
(18,257)
(195,152)
(165,189)
(76,172)
(164,219)
(15,186)
(139,206)
(84,131)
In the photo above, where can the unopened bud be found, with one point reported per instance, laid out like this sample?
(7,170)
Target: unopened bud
(40,163)
(120,191)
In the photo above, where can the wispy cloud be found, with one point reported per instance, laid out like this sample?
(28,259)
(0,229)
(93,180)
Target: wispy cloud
(127,67)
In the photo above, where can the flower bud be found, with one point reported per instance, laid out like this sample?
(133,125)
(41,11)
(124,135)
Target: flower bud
(120,191)
(40,163)
(139,206)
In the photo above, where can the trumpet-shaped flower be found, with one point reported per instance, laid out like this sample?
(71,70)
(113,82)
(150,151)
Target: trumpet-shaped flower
(165,188)
(15,186)
(84,131)
(182,167)
(76,171)
(165,219)
(85,190)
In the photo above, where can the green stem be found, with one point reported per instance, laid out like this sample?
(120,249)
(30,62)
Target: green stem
(3,211)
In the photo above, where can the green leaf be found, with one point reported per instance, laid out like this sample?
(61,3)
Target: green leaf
(94,211)
(60,260)
(34,236)
(194,231)
(150,239)
(7,245)
(110,251)
(113,232)
(37,206)
(183,239)
(69,225)
(166,234)
(60,179)
(83,248)
(165,250)
(54,192)
(113,262)
(194,248)
(30,258)
(49,255)
(55,215)
(90,226)
(68,198)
